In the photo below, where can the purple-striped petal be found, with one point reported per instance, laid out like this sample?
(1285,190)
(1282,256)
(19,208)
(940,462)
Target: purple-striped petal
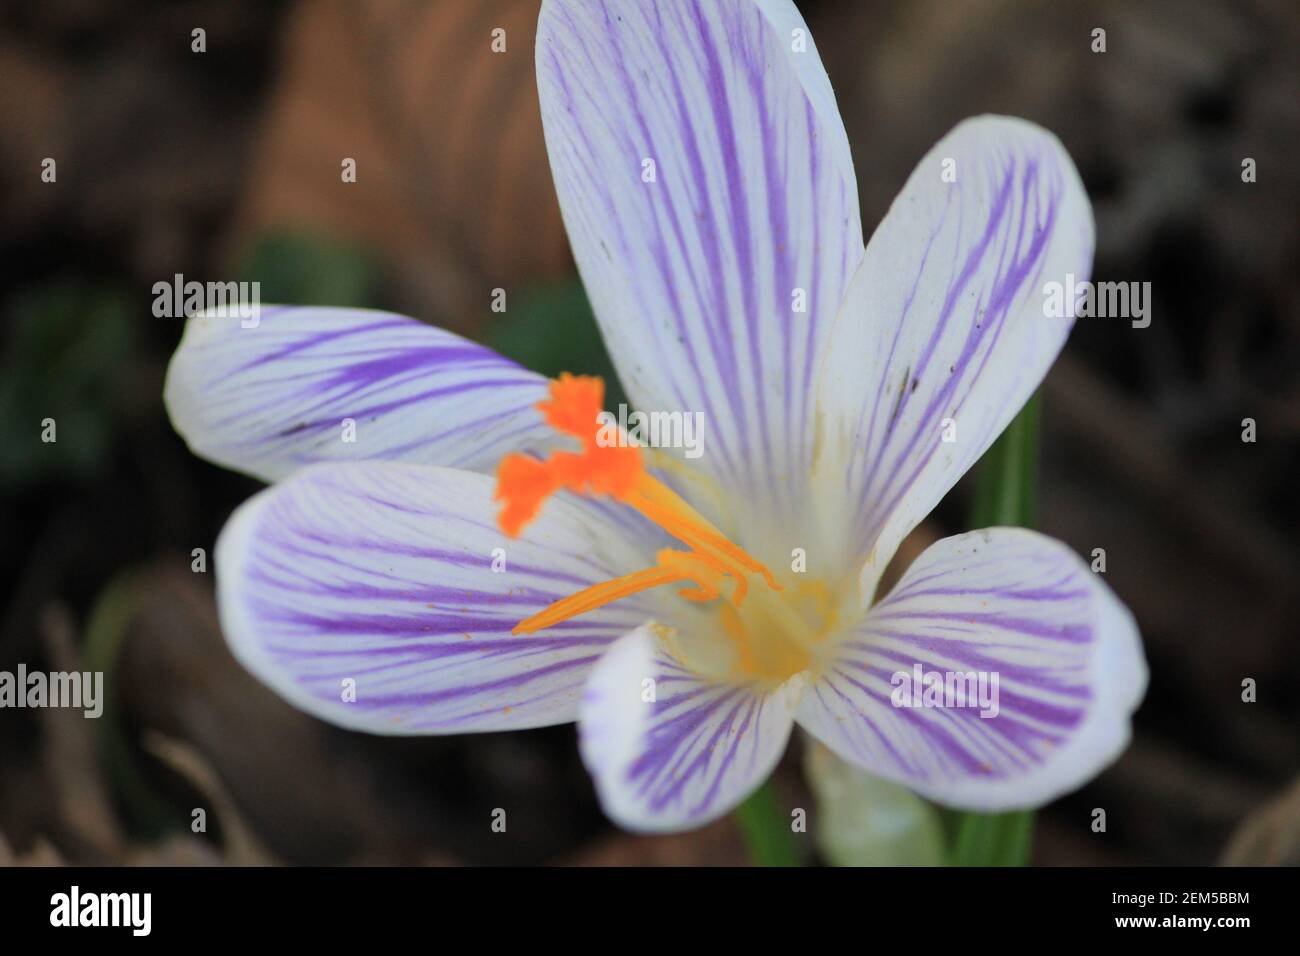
(943,335)
(670,750)
(1004,604)
(315,384)
(706,184)
(382,574)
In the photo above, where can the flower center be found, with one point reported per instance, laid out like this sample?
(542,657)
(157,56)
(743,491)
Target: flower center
(773,634)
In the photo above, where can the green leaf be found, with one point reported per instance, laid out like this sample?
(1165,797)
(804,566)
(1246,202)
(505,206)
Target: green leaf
(65,354)
(298,269)
(766,829)
(1006,493)
(551,329)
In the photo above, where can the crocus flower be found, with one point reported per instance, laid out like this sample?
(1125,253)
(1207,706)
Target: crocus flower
(475,559)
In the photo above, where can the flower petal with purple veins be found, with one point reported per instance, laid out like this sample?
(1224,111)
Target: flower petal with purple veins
(1006,602)
(388,576)
(271,398)
(668,749)
(943,335)
(705,180)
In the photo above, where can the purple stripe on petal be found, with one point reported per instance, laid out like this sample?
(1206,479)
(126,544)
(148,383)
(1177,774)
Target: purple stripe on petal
(943,336)
(670,750)
(692,273)
(1054,672)
(270,399)
(382,597)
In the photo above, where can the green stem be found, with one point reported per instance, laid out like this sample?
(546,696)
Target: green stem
(993,839)
(1006,481)
(1006,493)
(766,830)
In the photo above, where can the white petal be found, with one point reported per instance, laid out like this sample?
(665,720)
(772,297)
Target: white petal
(1005,604)
(698,276)
(271,398)
(943,335)
(670,750)
(388,575)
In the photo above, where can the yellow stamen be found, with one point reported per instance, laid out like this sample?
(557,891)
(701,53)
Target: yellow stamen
(596,596)
(524,483)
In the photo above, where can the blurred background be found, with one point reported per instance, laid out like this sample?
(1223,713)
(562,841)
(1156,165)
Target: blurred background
(225,165)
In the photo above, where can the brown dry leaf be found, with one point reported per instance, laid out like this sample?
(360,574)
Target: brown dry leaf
(1270,836)
(41,854)
(452,185)
(718,844)
(82,805)
(81,802)
(242,847)
(283,770)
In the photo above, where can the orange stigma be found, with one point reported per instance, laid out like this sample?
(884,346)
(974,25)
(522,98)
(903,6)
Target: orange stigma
(713,564)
